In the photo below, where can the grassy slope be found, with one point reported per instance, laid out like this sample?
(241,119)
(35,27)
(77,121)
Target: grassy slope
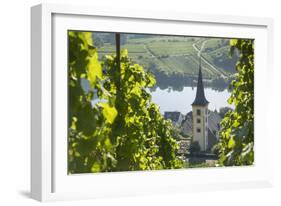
(176,54)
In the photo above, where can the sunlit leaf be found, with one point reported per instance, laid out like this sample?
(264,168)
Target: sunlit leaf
(233,42)
(108,112)
(94,70)
(95,167)
(231,143)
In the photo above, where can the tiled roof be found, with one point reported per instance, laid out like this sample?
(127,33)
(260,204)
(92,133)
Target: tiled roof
(213,123)
(212,139)
(187,124)
(174,116)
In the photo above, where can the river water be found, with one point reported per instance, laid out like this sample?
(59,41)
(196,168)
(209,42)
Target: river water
(181,101)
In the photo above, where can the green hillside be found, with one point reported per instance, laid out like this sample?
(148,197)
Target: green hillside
(173,55)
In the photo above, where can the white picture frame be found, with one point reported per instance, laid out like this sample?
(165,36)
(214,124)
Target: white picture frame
(49,179)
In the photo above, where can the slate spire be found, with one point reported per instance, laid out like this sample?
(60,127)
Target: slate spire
(200,98)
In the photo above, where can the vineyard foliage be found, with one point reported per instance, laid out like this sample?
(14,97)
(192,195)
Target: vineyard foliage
(236,146)
(114,125)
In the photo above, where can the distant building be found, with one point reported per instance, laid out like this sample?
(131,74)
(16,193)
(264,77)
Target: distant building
(175,117)
(214,120)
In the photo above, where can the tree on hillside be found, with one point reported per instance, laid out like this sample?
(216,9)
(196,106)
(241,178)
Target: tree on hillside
(236,145)
(223,111)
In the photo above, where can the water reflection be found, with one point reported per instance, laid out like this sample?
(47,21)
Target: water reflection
(170,100)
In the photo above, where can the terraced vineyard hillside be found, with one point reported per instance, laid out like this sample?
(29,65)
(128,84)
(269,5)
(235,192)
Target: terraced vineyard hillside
(174,55)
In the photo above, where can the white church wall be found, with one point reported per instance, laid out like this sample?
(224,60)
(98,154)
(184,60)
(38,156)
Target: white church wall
(200,136)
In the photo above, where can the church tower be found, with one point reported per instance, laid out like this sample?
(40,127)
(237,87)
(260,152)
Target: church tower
(200,114)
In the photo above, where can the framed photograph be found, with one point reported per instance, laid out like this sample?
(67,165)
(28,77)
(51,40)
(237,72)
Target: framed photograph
(135,102)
